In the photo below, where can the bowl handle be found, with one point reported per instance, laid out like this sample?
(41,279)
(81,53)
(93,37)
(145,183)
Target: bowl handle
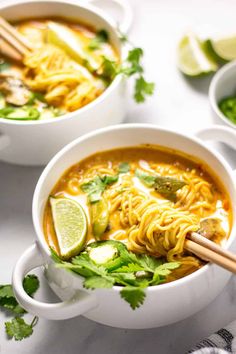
(77,305)
(219,133)
(127,13)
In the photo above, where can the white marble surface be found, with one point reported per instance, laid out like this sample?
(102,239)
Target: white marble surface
(178,103)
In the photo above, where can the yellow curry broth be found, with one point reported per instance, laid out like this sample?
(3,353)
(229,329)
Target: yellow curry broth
(164,162)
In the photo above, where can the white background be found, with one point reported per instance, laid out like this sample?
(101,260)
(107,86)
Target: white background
(178,103)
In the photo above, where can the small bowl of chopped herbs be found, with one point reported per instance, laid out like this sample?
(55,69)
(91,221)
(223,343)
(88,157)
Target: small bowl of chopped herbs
(222,95)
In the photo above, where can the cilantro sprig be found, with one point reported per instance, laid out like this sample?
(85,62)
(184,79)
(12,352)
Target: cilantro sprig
(95,187)
(17,328)
(131,66)
(131,271)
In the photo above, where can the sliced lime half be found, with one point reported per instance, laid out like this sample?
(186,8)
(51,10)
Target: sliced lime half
(70,225)
(223,48)
(193,60)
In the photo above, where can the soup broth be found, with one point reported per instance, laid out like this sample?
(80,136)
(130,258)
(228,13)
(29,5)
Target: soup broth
(63,72)
(154,198)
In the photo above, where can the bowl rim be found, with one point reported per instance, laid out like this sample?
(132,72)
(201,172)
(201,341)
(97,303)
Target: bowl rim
(113,85)
(43,177)
(212,89)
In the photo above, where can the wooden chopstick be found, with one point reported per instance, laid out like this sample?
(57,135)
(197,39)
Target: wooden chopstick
(15,34)
(205,242)
(210,251)
(7,50)
(10,35)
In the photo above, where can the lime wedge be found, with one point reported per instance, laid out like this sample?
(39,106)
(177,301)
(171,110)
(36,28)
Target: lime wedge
(67,40)
(224,49)
(193,60)
(70,225)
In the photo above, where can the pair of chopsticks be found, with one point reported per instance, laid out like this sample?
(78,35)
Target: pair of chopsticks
(12,44)
(210,251)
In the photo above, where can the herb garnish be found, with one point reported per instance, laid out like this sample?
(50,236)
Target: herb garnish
(166,186)
(131,66)
(102,36)
(17,328)
(123,167)
(4,65)
(124,270)
(95,187)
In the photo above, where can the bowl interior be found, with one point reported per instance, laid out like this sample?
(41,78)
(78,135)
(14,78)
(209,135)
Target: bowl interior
(85,14)
(123,136)
(222,86)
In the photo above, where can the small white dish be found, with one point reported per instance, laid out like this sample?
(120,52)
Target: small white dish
(222,85)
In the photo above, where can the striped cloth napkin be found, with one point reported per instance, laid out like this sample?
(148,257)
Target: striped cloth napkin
(221,342)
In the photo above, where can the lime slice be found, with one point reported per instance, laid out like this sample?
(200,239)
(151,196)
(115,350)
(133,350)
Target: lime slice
(224,49)
(73,45)
(193,60)
(70,224)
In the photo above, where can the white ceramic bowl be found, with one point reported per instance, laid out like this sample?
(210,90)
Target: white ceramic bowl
(164,304)
(35,142)
(222,85)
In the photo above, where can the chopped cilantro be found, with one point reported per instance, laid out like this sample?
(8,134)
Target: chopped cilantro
(123,167)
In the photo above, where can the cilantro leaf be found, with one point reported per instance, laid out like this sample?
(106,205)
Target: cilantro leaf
(6,291)
(84,261)
(147,179)
(149,263)
(143,89)
(133,295)
(130,268)
(95,187)
(18,329)
(11,304)
(31,284)
(109,69)
(7,298)
(3,65)
(166,268)
(98,282)
(109,179)
(133,61)
(123,167)
(102,36)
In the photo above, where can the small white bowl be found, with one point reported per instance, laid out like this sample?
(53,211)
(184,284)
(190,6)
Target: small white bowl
(222,85)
